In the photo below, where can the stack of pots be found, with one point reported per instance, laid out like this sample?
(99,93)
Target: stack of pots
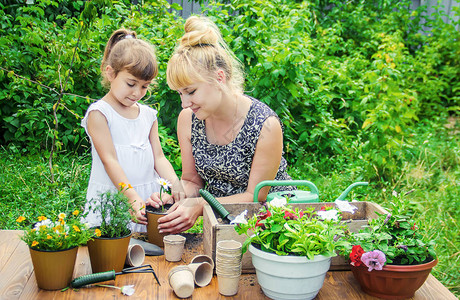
(228,266)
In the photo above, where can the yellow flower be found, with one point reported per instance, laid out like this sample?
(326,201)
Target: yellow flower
(49,237)
(75,213)
(75,227)
(34,243)
(42,227)
(98,232)
(61,216)
(42,218)
(130,186)
(20,219)
(58,229)
(122,185)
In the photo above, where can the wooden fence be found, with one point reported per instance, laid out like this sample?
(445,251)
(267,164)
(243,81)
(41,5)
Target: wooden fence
(447,6)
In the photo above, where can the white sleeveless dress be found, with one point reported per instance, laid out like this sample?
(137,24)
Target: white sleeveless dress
(134,152)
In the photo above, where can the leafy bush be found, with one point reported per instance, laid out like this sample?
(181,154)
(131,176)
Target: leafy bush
(348,78)
(51,63)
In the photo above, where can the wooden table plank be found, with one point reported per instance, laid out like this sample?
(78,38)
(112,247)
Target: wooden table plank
(17,280)
(17,270)
(8,242)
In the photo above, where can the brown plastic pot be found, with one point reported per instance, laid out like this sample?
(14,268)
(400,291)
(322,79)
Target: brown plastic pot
(153,214)
(393,281)
(53,269)
(108,254)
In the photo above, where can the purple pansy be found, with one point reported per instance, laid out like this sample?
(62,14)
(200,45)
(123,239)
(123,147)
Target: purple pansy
(374,260)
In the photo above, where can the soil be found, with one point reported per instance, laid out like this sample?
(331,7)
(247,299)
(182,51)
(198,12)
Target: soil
(154,210)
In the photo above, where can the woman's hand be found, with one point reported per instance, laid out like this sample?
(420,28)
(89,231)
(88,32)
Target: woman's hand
(178,191)
(181,216)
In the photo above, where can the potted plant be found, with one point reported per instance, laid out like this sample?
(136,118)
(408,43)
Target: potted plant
(391,258)
(153,214)
(107,251)
(53,243)
(291,249)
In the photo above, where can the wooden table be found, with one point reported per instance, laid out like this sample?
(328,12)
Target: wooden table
(17,280)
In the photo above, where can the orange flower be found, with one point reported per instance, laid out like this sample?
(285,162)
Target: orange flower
(34,243)
(75,227)
(49,237)
(98,232)
(42,218)
(75,212)
(20,219)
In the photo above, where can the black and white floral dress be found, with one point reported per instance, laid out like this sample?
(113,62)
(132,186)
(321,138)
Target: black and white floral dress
(225,168)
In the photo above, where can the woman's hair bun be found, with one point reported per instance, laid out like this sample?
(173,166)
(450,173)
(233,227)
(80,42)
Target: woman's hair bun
(199,31)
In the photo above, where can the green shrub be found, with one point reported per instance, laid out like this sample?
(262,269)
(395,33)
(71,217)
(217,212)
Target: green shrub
(347,78)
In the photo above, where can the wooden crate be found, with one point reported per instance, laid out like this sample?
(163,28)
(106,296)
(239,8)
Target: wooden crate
(214,230)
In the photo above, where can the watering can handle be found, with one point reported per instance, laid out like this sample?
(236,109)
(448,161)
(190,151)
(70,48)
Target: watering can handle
(349,188)
(264,183)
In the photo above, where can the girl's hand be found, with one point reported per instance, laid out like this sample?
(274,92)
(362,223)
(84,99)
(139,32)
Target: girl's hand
(140,216)
(138,212)
(154,199)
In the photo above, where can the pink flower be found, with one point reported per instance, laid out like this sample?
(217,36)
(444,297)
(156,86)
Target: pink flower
(374,260)
(289,215)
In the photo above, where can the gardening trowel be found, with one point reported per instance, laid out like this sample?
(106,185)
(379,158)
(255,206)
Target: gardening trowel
(216,206)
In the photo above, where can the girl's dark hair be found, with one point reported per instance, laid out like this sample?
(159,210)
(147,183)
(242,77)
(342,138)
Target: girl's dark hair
(125,52)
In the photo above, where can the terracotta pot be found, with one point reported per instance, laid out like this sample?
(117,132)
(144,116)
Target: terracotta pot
(53,269)
(153,214)
(108,254)
(393,281)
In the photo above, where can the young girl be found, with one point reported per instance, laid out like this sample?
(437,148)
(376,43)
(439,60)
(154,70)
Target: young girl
(123,133)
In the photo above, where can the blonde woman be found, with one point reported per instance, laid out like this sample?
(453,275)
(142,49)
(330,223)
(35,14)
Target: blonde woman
(229,141)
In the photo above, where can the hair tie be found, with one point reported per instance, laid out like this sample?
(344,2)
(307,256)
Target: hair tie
(128,36)
(203,45)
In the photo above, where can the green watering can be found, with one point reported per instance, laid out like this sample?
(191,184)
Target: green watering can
(299,196)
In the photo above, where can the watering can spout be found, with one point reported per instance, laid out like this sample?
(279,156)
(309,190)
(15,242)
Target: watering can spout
(353,185)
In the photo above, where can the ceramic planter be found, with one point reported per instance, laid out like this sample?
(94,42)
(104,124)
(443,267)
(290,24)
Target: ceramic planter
(289,277)
(53,269)
(108,254)
(153,214)
(393,281)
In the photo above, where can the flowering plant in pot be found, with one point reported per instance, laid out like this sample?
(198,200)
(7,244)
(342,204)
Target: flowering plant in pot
(53,243)
(108,250)
(291,248)
(391,246)
(153,214)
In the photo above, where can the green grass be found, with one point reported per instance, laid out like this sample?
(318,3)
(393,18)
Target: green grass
(431,176)
(28,190)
